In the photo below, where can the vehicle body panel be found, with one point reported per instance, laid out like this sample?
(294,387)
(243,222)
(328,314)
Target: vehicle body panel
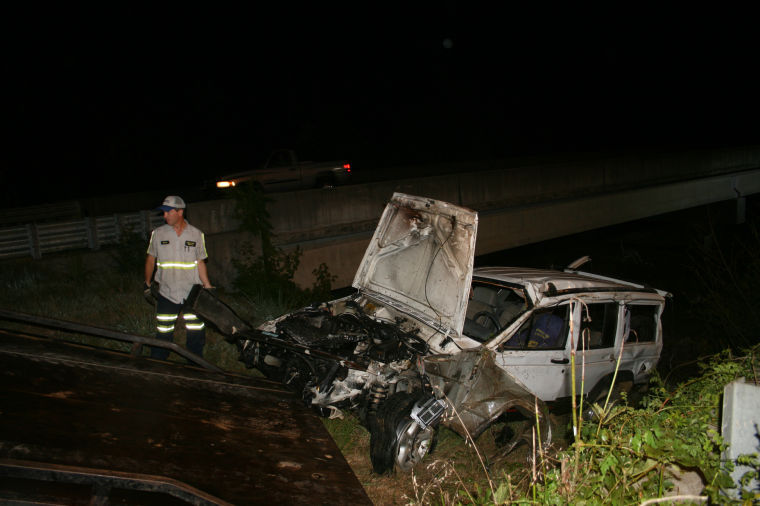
(476,389)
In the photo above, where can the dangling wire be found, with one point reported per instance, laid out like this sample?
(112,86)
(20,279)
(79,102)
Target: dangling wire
(430,268)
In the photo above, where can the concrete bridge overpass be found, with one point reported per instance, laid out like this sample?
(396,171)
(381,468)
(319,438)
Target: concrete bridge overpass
(517,204)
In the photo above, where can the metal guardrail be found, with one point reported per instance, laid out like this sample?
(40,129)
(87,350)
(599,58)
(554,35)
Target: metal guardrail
(36,239)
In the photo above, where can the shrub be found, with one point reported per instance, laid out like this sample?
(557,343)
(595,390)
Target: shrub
(268,274)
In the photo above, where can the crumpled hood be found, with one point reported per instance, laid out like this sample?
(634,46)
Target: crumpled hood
(420,260)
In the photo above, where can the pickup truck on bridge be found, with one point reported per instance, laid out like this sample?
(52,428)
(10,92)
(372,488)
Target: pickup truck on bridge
(284,171)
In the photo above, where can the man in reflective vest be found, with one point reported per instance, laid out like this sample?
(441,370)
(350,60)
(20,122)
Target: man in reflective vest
(177,253)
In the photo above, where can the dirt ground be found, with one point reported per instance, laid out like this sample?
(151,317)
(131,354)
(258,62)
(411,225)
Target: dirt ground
(455,471)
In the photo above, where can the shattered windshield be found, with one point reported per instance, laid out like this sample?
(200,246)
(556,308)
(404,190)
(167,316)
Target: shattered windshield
(492,308)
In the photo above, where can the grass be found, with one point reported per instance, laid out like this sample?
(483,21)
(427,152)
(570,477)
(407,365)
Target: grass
(451,474)
(101,296)
(458,471)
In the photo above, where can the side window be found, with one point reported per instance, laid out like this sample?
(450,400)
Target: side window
(599,323)
(640,324)
(546,329)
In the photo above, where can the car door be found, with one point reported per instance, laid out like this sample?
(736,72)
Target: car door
(642,337)
(596,348)
(537,352)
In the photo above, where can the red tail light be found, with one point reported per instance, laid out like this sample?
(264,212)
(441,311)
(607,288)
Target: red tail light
(347,166)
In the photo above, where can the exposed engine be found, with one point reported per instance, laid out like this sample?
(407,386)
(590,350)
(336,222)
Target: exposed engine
(340,357)
(352,331)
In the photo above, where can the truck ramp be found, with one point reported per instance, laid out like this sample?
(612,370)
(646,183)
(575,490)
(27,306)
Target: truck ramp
(85,425)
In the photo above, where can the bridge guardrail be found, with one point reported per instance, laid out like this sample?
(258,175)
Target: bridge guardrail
(36,239)
(310,214)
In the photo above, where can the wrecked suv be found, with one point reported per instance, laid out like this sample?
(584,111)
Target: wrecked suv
(426,340)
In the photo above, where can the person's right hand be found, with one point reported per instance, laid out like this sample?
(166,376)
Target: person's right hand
(148,294)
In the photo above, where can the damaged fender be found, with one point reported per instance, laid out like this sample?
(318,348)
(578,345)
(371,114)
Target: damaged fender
(478,391)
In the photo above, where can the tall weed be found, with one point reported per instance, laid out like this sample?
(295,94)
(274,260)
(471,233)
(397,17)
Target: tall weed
(727,267)
(129,254)
(266,272)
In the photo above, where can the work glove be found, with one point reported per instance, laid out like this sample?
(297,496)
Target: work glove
(149,293)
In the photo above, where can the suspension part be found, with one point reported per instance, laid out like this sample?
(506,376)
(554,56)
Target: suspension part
(377,394)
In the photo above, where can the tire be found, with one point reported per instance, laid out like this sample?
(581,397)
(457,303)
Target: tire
(598,395)
(398,441)
(326,182)
(637,393)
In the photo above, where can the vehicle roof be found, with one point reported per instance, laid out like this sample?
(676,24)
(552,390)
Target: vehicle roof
(541,280)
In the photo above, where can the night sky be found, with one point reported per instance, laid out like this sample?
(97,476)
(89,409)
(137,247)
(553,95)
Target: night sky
(113,100)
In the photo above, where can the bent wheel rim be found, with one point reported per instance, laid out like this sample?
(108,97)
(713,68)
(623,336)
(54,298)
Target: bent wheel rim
(413,444)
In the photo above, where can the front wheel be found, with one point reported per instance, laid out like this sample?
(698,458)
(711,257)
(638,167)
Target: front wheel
(413,443)
(399,441)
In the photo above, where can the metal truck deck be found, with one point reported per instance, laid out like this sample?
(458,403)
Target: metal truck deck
(84,425)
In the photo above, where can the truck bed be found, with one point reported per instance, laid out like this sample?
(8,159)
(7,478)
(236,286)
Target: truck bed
(81,424)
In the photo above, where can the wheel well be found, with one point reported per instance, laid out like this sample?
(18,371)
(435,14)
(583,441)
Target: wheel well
(524,407)
(604,383)
(325,178)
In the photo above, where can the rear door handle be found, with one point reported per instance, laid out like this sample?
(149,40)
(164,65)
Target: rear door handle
(560,361)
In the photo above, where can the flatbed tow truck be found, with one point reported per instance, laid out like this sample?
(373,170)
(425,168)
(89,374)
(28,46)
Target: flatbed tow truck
(88,425)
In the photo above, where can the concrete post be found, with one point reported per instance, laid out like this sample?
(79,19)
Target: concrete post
(92,233)
(741,423)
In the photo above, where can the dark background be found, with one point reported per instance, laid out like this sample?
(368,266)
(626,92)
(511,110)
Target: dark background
(122,99)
